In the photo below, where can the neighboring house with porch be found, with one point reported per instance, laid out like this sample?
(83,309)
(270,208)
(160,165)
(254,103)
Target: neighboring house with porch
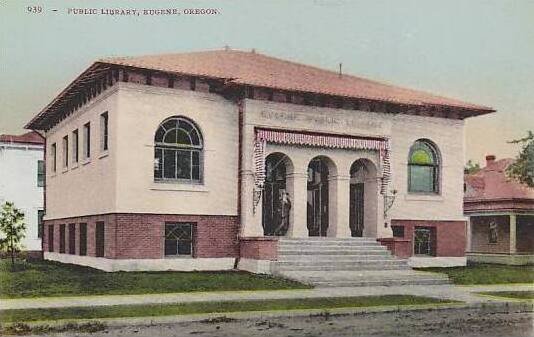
(221,158)
(501,216)
(22,179)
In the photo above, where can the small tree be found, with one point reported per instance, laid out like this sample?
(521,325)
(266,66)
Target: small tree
(12,230)
(522,169)
(471,167)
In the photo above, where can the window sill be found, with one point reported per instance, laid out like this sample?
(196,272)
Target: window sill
(178,257)
(103,154)
(423,197)
(168,186)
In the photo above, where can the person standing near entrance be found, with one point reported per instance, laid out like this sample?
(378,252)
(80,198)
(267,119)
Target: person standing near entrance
(285,205)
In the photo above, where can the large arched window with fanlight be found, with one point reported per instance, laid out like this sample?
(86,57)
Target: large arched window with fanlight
(423,167)
(178,151)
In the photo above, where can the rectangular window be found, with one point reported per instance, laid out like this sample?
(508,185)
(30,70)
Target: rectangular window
(40,223)
(66,151)
(83,239)
(53,155)
(75,150)
(398,231)
(179,239)
(72,238)
(62,238)
(99,239)
(87,140)
(104,131)
(50,238)
(40,173)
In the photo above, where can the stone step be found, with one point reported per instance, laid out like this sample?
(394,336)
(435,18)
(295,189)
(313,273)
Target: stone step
(340,245)
(307,254)
(340,266)
(304,259)
(366,278)
(389,283)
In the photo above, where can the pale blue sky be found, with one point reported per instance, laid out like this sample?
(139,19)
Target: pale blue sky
(478,51)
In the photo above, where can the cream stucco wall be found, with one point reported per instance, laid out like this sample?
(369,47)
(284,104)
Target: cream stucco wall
(403,130)
(87,187)
(141,110)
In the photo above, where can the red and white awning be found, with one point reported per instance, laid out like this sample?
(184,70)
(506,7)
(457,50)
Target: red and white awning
(263,136)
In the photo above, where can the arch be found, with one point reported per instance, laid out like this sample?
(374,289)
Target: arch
(276,201)
(320,169)
(424,167)
(363,198)
(178,151)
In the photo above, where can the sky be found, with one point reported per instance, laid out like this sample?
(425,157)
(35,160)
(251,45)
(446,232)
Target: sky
(478,51)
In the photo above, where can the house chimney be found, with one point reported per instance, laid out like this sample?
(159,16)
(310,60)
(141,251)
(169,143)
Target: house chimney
(490,159)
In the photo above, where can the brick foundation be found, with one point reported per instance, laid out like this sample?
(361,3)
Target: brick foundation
(141,236)
(450,237)
(258,248)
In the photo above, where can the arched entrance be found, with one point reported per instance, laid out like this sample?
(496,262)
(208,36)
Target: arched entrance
(318,200)
(276,203)
(363,198)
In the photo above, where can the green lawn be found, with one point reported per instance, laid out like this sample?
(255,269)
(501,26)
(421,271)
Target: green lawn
(47,278)
(520,295)
(99,312)
(487,274)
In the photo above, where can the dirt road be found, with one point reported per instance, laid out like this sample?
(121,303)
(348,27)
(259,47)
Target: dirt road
(428,323)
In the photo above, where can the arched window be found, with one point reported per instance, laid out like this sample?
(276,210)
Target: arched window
(423,168)
(178,151)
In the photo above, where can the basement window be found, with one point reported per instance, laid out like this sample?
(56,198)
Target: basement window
(179,239)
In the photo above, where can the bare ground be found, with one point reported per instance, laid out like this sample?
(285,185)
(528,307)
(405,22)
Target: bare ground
(435,323)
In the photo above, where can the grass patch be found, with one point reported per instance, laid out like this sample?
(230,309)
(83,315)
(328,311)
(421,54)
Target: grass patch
(519,295)
(47,278)
(25,315)
(487,274)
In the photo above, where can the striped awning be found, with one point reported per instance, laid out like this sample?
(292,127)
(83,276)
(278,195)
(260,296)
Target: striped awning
(263,136)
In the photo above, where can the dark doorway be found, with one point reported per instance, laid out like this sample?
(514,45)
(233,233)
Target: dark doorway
(356,209)
(275,211)
(317,213)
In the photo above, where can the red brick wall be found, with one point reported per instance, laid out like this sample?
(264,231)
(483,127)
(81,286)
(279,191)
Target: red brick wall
(402,248)
(450,236)
(109,227)
(259,248)
(136,236)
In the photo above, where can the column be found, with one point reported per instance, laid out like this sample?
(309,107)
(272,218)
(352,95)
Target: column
(513,238)
(339,206)
(297,187)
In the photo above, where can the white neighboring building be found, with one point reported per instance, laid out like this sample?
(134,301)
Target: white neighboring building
(22,179)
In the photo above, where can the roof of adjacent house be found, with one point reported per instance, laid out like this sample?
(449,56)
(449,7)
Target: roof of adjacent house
(255,69)
(241,68)
(31,137)
(491,185)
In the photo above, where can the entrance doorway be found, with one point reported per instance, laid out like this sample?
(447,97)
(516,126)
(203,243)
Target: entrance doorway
(363,189)
(317,213)
(275,207)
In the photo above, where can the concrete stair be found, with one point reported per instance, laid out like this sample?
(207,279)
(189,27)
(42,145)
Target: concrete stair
(351,262)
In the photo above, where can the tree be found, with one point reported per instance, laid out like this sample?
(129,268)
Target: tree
(522,169)
(12,230)
(471,167)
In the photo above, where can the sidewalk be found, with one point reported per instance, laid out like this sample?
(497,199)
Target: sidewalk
(459,293)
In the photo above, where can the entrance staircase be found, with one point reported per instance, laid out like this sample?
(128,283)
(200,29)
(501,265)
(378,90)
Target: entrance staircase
(351,262)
